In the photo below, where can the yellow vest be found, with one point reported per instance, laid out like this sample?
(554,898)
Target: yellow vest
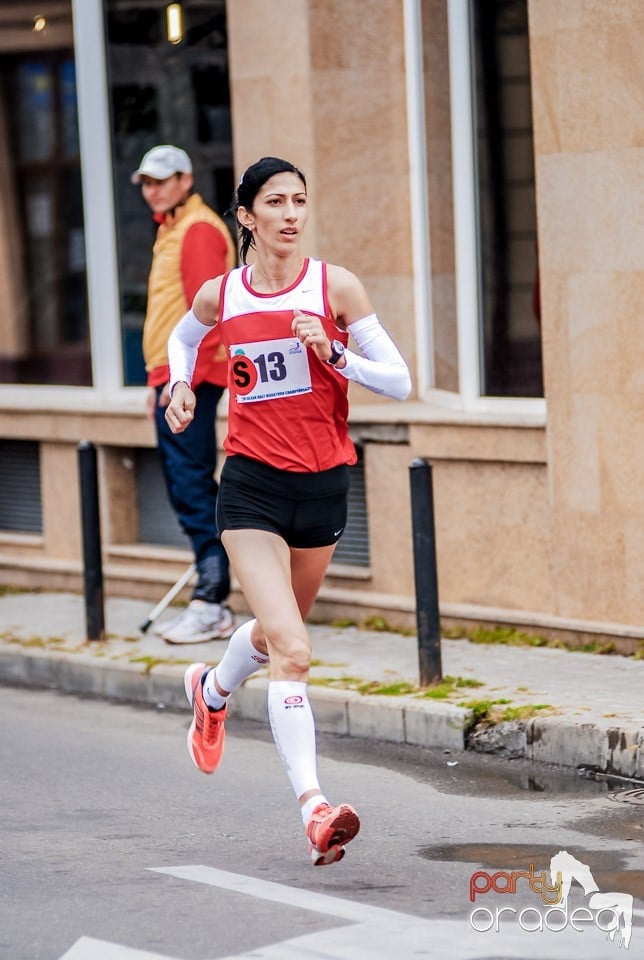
(166,299)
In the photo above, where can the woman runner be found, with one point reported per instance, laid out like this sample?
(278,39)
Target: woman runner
(282,502)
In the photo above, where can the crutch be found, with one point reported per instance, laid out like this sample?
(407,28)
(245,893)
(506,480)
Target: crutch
(169,597)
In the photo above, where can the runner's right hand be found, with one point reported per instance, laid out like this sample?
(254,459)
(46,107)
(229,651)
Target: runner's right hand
(180,411)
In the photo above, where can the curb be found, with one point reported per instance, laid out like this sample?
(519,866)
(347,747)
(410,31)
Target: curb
(341,712)
(604,747)
(600,746)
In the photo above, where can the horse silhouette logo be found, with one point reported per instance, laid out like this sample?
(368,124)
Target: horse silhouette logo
(564,868)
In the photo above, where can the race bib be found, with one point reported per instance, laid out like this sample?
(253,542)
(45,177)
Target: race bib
(269,369)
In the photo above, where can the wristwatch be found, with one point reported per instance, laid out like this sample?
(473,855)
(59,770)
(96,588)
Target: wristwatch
(337,351)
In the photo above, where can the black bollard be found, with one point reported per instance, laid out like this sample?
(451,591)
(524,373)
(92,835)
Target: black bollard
(425,573)
(91,531)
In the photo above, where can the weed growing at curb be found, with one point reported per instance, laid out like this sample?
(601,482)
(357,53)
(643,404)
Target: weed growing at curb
(387,689)
(506,636)
(151,661)
(481,709)
(511,637)
(380,625)
(525,712)
(398,688)
(485,710)
(448,685)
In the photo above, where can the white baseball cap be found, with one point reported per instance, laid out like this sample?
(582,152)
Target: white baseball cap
(162,162)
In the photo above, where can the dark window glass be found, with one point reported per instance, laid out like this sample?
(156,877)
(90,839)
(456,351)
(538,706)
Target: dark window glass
(20,502)
(163,93)
(510,313)
(44,334)
(353,546)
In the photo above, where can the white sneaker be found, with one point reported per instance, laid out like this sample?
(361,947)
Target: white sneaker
(162,628)
(201,622)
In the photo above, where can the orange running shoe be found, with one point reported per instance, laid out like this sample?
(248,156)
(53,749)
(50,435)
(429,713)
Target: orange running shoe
(206,734)
(329,829)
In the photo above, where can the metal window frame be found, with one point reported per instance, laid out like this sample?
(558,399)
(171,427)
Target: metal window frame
(418,196)
(466,227)
(100,237)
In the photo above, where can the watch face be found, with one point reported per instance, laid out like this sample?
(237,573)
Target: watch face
(337,349)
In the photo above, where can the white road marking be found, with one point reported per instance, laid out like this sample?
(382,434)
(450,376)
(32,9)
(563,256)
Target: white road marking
(375,932)
(280,893)
(89,949)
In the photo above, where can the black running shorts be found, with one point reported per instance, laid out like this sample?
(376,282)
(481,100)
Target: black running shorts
(305,509)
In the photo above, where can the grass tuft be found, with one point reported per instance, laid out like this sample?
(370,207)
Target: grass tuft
(150,662)
(524,712)
(448,685)
(376,623)
(387,689)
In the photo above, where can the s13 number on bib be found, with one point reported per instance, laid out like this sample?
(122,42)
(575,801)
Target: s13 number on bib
(268,369)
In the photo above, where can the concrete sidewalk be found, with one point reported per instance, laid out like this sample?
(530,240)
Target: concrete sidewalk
(555,706)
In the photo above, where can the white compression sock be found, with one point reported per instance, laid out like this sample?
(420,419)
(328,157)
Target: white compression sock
(240,661)
(293,729)
(309,806)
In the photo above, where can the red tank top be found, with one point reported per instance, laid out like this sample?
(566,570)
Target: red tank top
(287,408)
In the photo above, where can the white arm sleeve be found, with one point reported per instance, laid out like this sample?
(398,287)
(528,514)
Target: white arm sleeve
(382,368)
(183,344)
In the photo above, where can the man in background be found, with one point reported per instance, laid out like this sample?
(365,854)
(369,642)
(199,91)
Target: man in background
(192,245)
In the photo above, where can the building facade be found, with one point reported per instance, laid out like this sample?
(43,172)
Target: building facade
(477,164)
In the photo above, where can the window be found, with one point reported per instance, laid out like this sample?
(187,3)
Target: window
(353,546)
(163,93)
(20,502)
(471,107)
(43,300)
(509,296)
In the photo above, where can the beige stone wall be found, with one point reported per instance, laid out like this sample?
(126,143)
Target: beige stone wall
(271,96)
(491,510)
(589,144)
(390,531)
(325,87)
(60,501)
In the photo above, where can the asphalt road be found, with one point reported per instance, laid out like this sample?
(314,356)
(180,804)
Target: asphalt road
(113,847)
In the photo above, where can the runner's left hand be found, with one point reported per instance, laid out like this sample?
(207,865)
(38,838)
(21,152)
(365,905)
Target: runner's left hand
(310,332)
